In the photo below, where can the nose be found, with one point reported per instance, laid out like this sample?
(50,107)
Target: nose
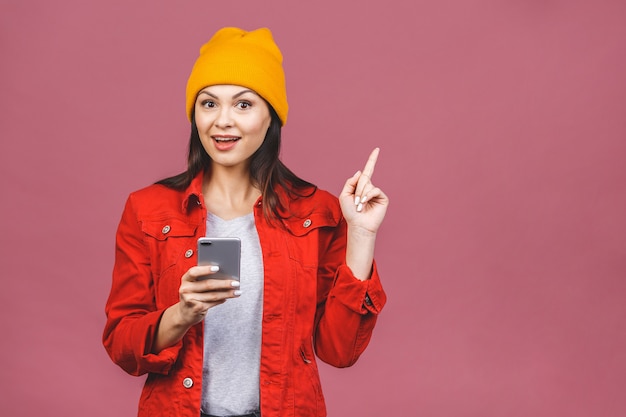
(224,118)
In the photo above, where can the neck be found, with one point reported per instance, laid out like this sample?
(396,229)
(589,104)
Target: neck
(229,193)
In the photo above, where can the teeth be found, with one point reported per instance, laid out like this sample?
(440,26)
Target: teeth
(225,139)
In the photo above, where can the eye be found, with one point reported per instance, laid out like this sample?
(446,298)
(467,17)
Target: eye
(207,104)
(243,105)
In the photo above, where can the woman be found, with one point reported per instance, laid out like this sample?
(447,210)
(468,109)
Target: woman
(215,347)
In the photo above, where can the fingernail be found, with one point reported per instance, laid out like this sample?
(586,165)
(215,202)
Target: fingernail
(359,207)
(235,283)
(363,199)
(357,200)
(215,268)
(237,293)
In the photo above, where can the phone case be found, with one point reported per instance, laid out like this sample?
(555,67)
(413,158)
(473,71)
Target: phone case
(224,252)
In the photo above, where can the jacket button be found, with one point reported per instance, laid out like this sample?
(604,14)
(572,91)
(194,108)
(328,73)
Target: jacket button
(166,229)
(187,382)
(188,253)
(307,223)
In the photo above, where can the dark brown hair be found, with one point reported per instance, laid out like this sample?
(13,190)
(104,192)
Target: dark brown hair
(266,170)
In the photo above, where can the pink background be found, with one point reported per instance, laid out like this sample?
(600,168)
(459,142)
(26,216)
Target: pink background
(503,133)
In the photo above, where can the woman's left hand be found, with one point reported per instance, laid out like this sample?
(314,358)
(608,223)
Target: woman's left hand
(363,204)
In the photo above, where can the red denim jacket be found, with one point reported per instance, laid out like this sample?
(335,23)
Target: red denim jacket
(312,302)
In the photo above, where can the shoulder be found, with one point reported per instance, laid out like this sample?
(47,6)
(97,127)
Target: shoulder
(324,199)
(156,199)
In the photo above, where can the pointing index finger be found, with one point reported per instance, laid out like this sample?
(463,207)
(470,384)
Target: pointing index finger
(371,163)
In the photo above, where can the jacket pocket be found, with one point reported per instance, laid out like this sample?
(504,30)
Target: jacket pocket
(172,245)
(303,239)
(169,239)
(168,228)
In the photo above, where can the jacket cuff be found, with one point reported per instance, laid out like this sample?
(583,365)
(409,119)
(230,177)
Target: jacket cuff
(144,339)
(362,297)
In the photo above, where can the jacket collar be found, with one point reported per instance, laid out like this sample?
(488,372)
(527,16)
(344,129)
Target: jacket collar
(193,197)
(193,194)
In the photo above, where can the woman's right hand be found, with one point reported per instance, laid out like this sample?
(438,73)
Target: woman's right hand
(198,293)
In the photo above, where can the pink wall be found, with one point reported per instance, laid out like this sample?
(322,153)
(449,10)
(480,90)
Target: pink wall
(503,133)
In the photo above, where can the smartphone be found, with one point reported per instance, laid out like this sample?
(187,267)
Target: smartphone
(224,252)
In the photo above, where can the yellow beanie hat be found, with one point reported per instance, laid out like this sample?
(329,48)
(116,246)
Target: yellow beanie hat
(249,59)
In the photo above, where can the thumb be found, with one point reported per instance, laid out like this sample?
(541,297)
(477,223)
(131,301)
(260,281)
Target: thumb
(351,183)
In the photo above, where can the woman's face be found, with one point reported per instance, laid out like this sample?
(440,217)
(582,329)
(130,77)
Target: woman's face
(232,122)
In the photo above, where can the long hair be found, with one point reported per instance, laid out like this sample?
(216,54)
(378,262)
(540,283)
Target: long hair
(267,171)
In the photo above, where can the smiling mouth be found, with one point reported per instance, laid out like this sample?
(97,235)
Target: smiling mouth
(225,139)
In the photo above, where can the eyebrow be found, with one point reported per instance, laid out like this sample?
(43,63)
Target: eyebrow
(235,96)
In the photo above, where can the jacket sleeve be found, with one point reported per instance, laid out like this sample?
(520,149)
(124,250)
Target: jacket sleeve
(132,314)
(347,308)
